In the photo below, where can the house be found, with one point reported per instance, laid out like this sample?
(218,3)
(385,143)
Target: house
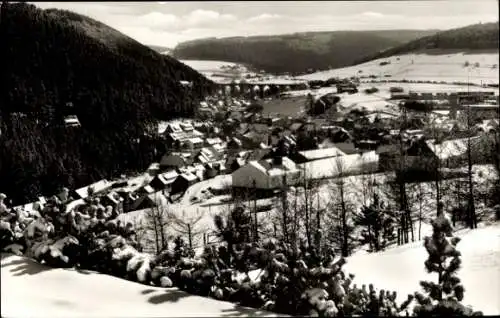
(220,148)
(71,121)
(186,127)
(147,189)
(213,141)
(266,174)
(163,181)
(253,139)
(194,143)
(94,188)
(153,169)
(235,143)
(207,154)
(316,154)
(174,160)
(213,169)
(367,144)
(156,199)
(173,128)
(113,199)
(340,166)
(183,182)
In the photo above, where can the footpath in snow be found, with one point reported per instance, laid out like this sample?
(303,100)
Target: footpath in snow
(33,290)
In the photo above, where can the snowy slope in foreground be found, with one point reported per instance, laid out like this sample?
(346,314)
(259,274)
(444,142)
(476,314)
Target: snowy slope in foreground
(32,290)
(402,268)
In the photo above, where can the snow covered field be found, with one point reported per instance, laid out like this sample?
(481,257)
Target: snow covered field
(31,290)
(401,268)
(444,65)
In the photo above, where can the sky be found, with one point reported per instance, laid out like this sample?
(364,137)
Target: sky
(169,23)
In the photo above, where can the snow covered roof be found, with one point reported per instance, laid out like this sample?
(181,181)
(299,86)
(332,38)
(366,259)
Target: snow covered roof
(333,167)
(97,187)
(213,141)
(154,166)
(189,176)
(219,147)
(269,167)
(449,148)
(172,174)
(186,127)
(195,140)
(149,189)
(72,120)
(174,127)
(322,153)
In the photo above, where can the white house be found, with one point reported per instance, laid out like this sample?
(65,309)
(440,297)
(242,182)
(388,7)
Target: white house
(266,174)
(341,165)
(194,143)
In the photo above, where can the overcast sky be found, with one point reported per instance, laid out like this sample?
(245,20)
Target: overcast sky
(169,23)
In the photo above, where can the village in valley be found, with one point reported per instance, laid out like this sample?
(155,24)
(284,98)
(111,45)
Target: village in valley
(361,163)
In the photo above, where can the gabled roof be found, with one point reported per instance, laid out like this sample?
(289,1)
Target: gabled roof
(449,148)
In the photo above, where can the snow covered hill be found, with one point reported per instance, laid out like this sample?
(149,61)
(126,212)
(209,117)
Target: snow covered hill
(33,290)
(402,268)
(443,65)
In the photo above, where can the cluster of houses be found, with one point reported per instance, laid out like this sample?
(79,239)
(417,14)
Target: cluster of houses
(266,152)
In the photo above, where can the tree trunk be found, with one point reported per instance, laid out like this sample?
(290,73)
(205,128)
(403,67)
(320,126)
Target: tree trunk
(307,223)
(345,233)
(190,236)
(256,222)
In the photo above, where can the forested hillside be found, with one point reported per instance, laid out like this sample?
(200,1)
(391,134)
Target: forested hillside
(482,36)
(56,63)
(297,53)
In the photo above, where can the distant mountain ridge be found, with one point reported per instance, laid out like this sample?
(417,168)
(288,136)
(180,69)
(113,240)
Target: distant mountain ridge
(299,52)
(57,63)
(481,36)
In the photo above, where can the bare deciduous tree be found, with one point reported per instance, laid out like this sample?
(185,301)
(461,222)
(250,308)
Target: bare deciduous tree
(154,227)
(188,225)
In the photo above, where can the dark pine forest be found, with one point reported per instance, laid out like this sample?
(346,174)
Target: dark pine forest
(56,63)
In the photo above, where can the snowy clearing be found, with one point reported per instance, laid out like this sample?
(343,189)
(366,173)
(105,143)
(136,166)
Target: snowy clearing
(33,290)
(444,65)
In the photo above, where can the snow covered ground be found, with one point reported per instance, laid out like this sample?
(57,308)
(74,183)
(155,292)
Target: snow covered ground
(402,268)
(444,65)
(33,290)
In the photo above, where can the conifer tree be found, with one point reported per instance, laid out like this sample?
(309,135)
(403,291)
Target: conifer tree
(444,297)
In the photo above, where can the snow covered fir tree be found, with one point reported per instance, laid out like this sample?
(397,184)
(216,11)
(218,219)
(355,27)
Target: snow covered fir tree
(444,296)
